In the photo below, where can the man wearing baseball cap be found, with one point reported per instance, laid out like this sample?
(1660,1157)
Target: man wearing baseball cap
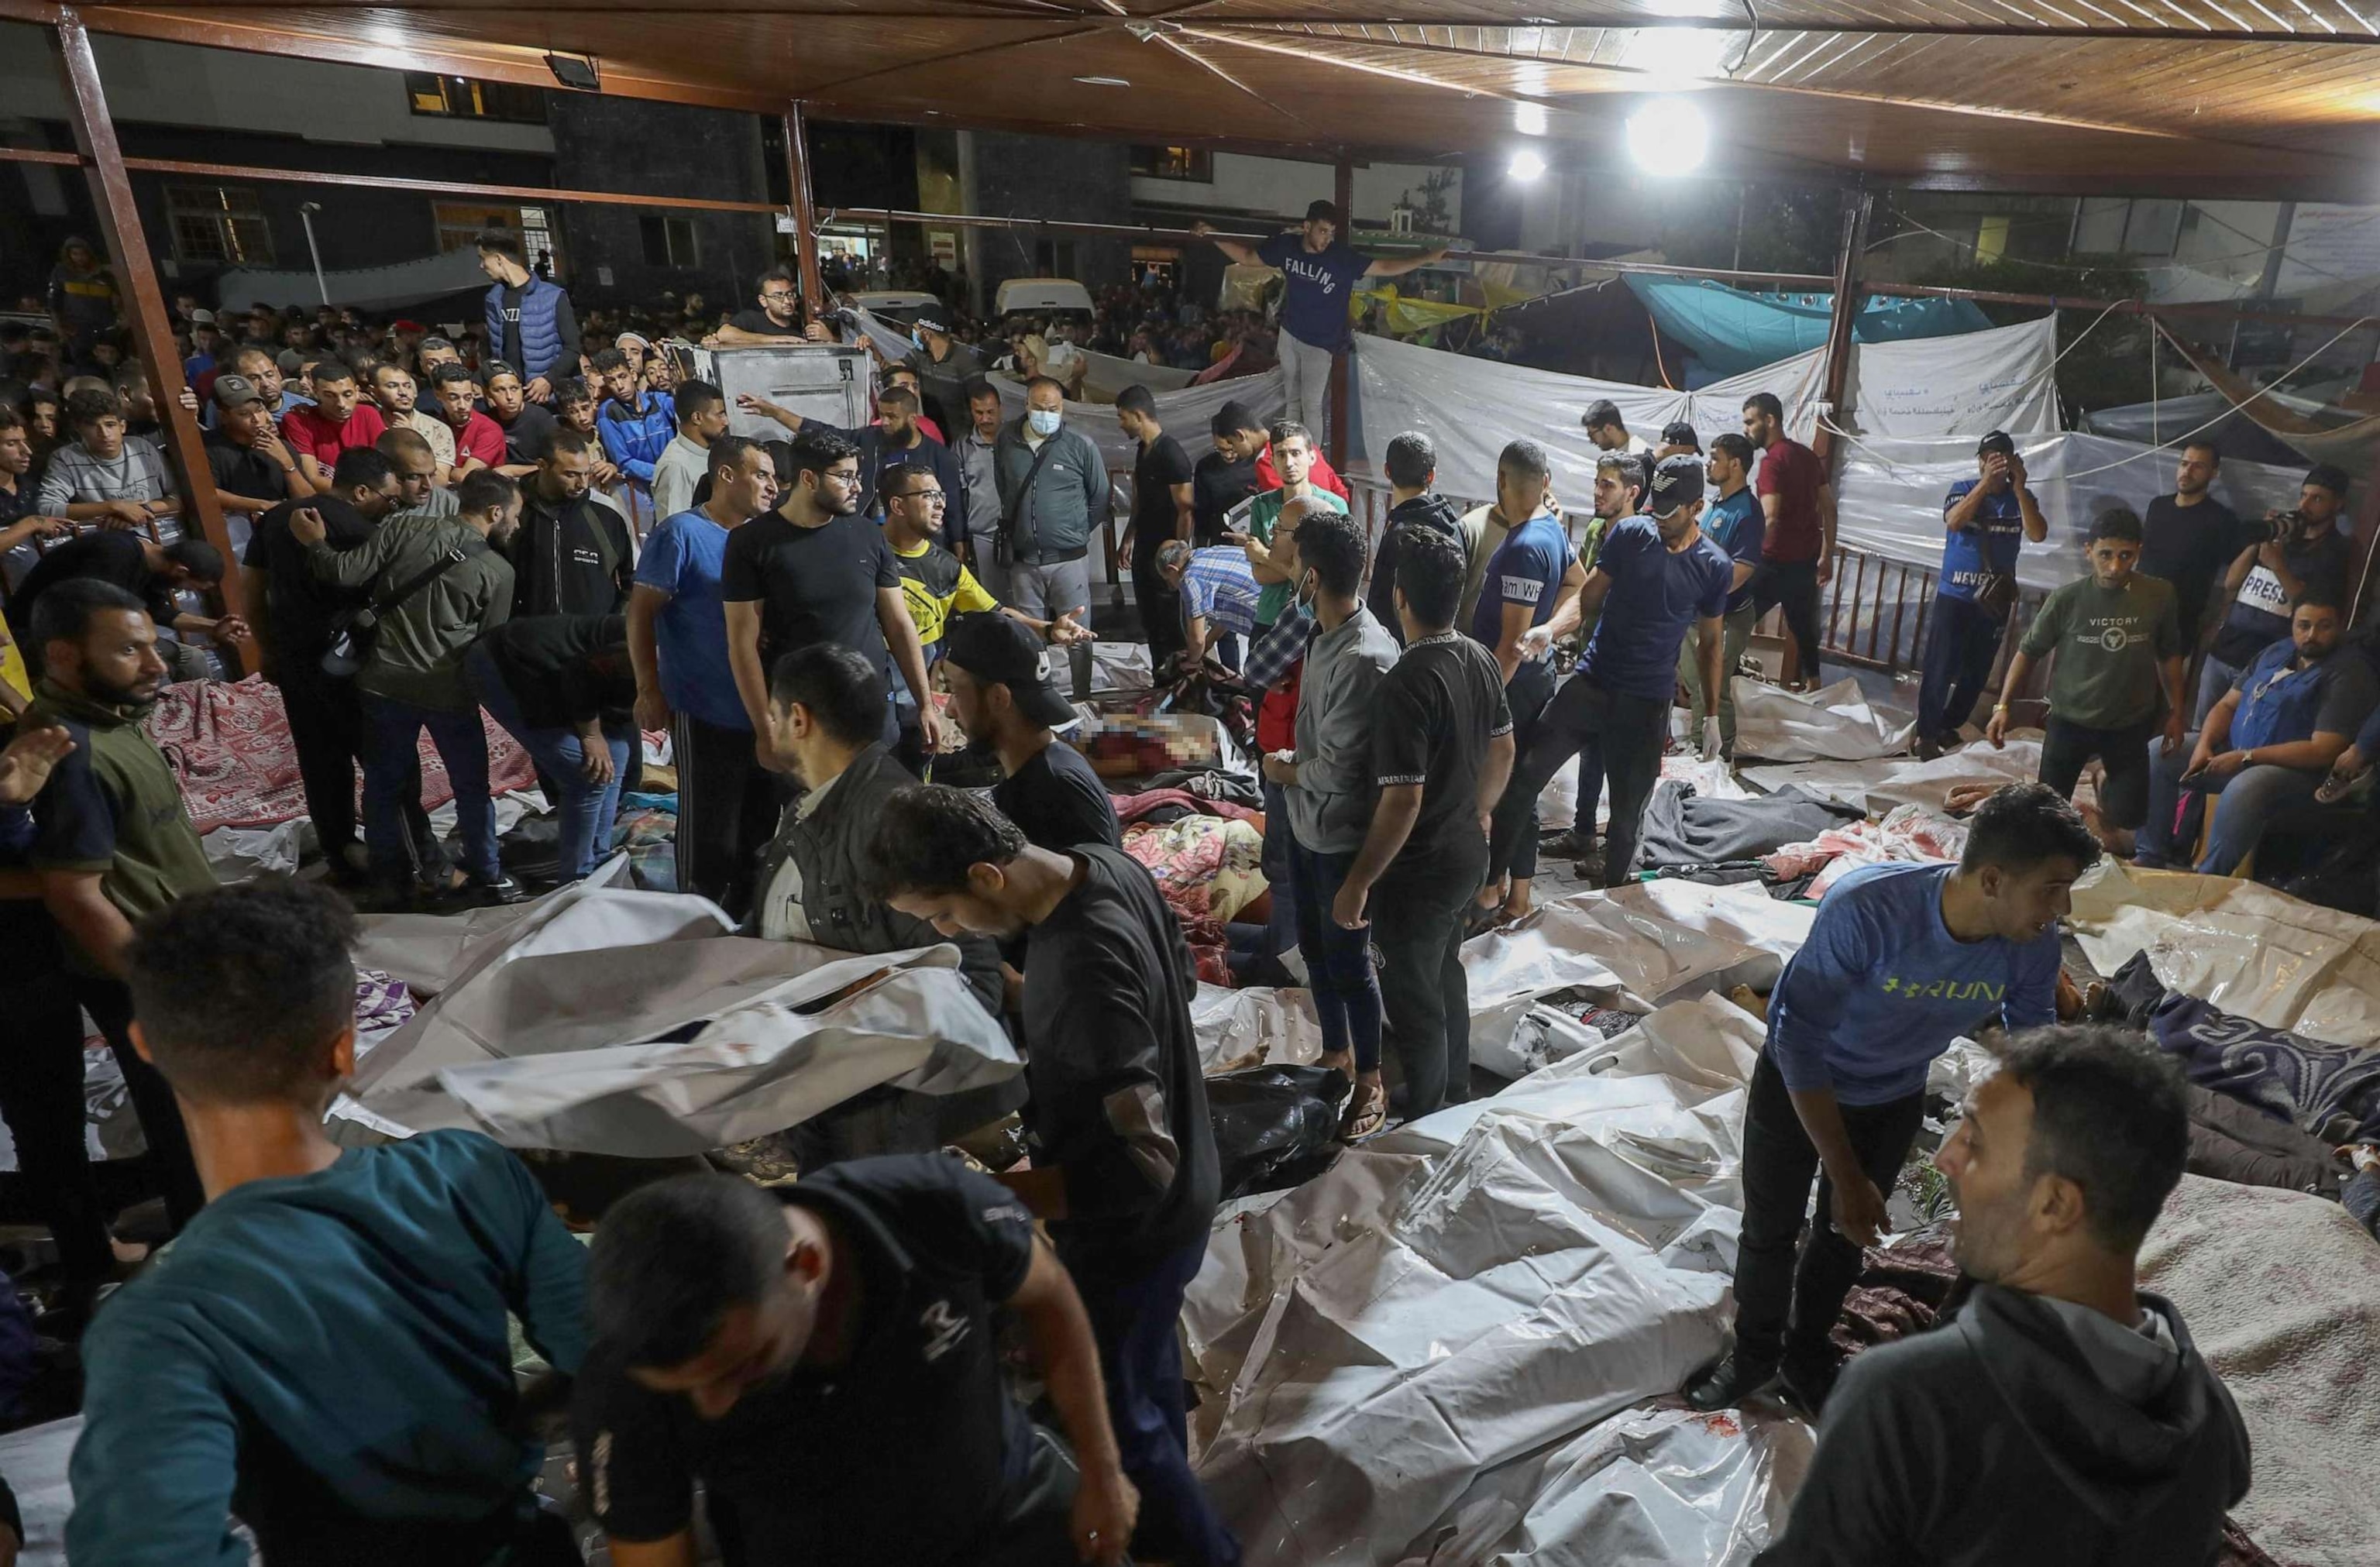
(944,366)
(1678,439)
(252,468)
(1656,578)
(999,672)
(1986,520)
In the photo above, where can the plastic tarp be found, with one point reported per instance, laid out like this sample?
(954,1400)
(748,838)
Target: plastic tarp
(2244,947)
(1187,415)
(550,1031)
(1836,723)
(1969,385)
(1877,787)
(1731,330)
(1889,493)
(1377,1347)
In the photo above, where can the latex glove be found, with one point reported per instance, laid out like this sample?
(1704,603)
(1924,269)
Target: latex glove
(1710,738)
(1535,641)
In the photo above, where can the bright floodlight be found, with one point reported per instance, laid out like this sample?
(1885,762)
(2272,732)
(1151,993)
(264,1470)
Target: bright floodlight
(1668,136)
(1527,166)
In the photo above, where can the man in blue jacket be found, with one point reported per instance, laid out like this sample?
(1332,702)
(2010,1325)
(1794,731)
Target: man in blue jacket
(530,323)
(637,426)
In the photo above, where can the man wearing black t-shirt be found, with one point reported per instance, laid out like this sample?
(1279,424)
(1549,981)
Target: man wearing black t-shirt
(824,1359)
(2189,537)
(1441,754)
(1161,508)
(1123,1154)
(527,426)
(250,467)
(815,571)
(1226,475)
(2286,559)
(779,319)
(1000,685)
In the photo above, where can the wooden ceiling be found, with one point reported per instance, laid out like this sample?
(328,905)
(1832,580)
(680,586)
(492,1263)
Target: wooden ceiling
(2210,98)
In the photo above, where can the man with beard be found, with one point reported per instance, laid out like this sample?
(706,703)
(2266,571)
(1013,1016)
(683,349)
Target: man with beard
(1160,510)
(442,585)
(2187,538)
(113,842)
(1412,469)
(2060,1415)
(572,554)
(393,391)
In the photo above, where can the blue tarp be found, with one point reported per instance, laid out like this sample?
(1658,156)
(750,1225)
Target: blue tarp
(1729,330)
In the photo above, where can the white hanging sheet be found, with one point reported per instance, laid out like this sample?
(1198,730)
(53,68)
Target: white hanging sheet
(1187,415)
(1963,386)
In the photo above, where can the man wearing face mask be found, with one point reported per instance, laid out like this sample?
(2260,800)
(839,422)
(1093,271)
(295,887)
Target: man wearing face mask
(2059,1415)
(1054,499)
(944,365)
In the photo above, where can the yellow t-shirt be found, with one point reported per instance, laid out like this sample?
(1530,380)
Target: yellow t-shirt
(936,587)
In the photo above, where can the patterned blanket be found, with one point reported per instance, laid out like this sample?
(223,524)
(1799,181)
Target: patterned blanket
(1208,867)
(230,746)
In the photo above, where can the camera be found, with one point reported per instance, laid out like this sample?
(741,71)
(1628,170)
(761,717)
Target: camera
(2273,530)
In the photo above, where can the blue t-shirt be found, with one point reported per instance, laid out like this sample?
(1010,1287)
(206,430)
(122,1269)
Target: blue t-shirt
(1881,987)
(681,558)
(1739,526)
(1316,288)
(337,1345)
(1527,569)
(1988,544)
(1657,595)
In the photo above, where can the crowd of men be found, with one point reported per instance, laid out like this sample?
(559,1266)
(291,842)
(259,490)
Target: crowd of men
(815,620)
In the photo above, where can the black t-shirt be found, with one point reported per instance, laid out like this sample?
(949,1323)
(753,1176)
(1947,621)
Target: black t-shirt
(813,584)
(17,504)
(1057,801)
(2190,547)
(758,323)
(901,1455)
(299,603)
(243,470)
(1161,465)
(1118,1104)
(1438,706)
(509,305)
(2258,615)
(525,438)
(1216,486)
(105,556)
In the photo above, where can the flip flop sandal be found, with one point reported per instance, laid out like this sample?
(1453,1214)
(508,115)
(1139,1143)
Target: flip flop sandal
(1479,921)
(1368,1111)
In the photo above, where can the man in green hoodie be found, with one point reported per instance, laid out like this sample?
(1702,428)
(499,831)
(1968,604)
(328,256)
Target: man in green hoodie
(112,841)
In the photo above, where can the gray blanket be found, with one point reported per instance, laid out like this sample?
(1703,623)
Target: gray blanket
(1684,828)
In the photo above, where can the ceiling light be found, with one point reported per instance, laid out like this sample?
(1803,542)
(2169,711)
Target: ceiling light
(1527,166)
(1529,119)
(1668,136)
(575,71)
(1102,82)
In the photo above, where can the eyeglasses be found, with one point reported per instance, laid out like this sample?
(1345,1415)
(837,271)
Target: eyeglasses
(777,298)
(935,494)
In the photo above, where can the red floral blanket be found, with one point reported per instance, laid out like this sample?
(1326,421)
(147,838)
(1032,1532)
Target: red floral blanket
(230,746)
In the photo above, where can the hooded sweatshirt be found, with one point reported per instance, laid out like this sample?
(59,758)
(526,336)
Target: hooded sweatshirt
(1431,511)
(2023,1430)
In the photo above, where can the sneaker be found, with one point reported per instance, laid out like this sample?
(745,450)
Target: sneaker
(1726,1384)
(1807,1384)
(479,893)
(1927,748)
(1590,870)
(1571,841)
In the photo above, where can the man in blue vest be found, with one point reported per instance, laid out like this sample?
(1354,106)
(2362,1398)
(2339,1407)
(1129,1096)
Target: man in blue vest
(530,323)
(2267,744)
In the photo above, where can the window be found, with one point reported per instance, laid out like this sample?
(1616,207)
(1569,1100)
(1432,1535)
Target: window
(1174,163)
(461,98)
(459,224)
(1991,238)
(218,222)
(669,242)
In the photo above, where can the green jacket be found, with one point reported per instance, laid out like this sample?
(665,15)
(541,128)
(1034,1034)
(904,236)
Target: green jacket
(113,806)
(417,652)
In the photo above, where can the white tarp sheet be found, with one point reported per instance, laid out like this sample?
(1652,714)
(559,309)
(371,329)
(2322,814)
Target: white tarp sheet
(1187,415)
(2244,947)
(541,1035)
(1889,494)
(1963,386)
(1833,723)
(1877,787)
(1463,1294)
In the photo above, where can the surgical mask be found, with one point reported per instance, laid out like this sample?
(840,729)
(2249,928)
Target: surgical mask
(915,341)
(1043,421)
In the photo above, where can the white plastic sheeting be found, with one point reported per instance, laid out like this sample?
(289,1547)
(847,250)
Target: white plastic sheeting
(1889,494)
(1836,723)
(1187,415)
(1465,1293)
(1963,387)
(541,1035)
(2246,948)
(1877,787)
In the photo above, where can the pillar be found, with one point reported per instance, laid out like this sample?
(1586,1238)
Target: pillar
(1343,195)
(797,180)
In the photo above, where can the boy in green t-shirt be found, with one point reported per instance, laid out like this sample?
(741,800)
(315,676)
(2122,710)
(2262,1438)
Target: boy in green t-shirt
(2118,644)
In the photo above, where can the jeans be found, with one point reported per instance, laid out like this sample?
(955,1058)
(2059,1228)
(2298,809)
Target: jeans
(392,769)
(727,811)
(1960,648)
(587,811)
(1734,636)
(1514,846)
(1305,384)
(41,1090)
(1793,584)
(1338,960)
(1134,1308)
(1779,1160)
(2243,804)
(2215,677)
(2124,797)
(1417,918)
(1620,737)
(326,726)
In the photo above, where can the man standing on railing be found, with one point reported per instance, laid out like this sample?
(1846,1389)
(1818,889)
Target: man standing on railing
(1798,504)
(1319,274)
(1985,520)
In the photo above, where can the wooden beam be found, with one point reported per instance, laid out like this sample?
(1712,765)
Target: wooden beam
(1342,196)
(1856,214)
(128,251)
(805,210)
